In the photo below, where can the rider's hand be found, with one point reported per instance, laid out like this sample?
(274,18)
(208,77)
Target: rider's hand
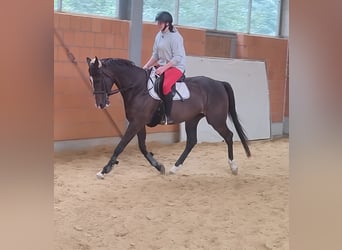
(161,70)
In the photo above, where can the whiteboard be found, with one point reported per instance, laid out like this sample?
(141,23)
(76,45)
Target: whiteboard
(249,81)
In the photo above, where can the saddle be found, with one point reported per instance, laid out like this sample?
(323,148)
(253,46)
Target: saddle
(155,87)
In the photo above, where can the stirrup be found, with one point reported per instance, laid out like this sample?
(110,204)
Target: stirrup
(168,121)
(163,120)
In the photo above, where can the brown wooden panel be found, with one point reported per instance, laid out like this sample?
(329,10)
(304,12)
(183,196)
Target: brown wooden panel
(75,23)
(64,21)
(106,26)
(194,41)
(99,40)
(109,41)
(273,51)
(217,46)
(85,23)
(96,25)
(162,128)
(115,28)
(69,120)
(56,20)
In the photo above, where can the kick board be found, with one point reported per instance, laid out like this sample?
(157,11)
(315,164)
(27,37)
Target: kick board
(249,81)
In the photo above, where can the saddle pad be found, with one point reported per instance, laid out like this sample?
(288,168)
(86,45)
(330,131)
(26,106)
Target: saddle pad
(180,87)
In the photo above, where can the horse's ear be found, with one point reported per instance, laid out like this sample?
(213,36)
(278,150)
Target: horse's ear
(98,62)
(95,61)
(88,61)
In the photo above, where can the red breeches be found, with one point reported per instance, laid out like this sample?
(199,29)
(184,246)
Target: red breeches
(171,75)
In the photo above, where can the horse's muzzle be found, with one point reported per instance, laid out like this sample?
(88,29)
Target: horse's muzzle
(103,106)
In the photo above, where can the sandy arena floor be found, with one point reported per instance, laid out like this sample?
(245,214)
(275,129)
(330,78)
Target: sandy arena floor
(203,206)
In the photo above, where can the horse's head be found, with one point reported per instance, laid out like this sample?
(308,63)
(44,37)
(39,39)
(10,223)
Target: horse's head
(100,82)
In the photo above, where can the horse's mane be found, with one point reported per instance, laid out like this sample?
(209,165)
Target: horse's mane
(118,61)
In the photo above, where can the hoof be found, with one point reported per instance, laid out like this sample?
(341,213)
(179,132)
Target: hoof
(174,169)
(235,172)
(233,167)
(162,170)
(100,176)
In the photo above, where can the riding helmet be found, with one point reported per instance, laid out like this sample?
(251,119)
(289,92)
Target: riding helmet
(164,17)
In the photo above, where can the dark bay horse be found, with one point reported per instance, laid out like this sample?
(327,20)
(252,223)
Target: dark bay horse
(208,98)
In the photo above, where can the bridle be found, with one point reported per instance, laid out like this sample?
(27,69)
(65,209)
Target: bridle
(104,91)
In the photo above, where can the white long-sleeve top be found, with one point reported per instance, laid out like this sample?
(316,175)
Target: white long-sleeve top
(168,46)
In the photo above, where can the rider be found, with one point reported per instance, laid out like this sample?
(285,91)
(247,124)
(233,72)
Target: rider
(169,54)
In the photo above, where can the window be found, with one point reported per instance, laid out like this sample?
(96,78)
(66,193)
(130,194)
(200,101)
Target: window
(248,16)
(265,17)
(233,15)
(152,7)
(105,8)
(197,13)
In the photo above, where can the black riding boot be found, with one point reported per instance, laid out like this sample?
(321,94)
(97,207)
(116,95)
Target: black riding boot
(168,107)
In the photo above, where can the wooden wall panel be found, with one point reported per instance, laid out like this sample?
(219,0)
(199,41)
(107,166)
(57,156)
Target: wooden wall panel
(217,46)
(273,51)
(75,115)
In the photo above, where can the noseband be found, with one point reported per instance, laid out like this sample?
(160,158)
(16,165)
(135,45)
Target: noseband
(111,92)
(104,91)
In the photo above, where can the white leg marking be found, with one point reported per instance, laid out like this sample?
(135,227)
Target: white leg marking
(233,167)
(91,81)
(174,169)
(99,175)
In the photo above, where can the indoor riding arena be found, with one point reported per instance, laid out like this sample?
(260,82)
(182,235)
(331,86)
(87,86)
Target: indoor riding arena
(203,205)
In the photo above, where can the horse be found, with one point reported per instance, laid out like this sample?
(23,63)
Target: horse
(209,98)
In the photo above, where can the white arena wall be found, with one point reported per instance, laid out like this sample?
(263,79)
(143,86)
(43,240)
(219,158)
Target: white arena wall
(249,81)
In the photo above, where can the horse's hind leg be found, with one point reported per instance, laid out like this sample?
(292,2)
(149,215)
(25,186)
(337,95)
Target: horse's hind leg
(191,141)
(148,155)
(227,135)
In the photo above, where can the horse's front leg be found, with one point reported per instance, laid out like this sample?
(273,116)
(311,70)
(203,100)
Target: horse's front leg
(148,155)
(127,137)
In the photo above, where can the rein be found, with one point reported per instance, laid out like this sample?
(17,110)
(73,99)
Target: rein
(111,92)
(115,91)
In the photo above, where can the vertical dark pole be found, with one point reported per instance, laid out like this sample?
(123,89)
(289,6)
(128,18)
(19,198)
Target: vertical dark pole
(135,39)
(233,42)
(125,9)
(249,16)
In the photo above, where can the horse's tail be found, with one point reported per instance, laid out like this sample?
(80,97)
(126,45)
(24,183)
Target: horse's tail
(234,116)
